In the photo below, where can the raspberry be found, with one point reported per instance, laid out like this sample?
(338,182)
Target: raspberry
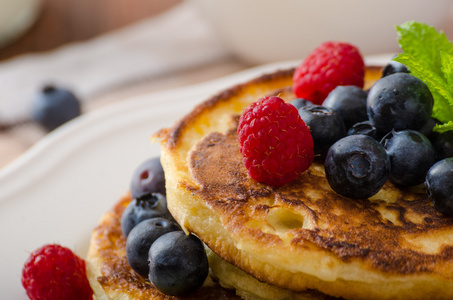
(275,143)
(53,272)
(328,66)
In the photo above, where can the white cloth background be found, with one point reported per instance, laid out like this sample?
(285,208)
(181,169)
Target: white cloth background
(176,40)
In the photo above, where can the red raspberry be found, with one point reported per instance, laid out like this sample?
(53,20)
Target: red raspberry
(275,143)
(53,272)
(328,66)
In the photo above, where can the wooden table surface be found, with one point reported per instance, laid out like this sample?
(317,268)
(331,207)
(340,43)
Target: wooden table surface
(65,21)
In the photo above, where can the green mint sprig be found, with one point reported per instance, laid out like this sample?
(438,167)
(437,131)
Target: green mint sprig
(429,56)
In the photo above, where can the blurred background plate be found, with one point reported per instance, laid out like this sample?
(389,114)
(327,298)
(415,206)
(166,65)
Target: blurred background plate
(263,31)
(16,16)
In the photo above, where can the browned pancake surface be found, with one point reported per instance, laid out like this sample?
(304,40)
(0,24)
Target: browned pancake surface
(348,228)
(302,235)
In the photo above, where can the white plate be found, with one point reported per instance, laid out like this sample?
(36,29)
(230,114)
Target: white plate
(59,189)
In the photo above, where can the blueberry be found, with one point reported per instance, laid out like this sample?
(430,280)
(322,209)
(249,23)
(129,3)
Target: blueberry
(357,166)
(427,129)
(349,102)
(54,106)
(411,155)
(394,67)
(300,102)
(365,128)
(140,240)
(443,144)
(148,178)
(439,185)
(177,263)
(399,101)
(326,127)
(146,207)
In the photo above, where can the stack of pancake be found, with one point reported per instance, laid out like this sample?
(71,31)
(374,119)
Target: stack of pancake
(298,241)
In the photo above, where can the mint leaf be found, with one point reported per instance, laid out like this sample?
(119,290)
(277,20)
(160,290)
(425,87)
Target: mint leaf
(447,68)
(429,56)
(444,127)
(424,43)
(442,110)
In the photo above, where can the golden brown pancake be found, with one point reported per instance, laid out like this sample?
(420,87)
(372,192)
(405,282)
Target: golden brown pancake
(303,235)
(250,288)
(111,277)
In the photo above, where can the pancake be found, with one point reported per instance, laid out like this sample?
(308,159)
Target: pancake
(301,236)
(111,277)
(250,288)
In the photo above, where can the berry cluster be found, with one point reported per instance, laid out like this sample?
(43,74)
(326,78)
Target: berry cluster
(385,133)
(396,107)
(363,137)
(156,247)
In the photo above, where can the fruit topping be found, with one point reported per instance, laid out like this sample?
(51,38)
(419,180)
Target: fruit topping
(178,263)
(411,155)
(350,104)
(140,239)
(394,67)
(140,209)
(357,166)
(439,185)
(427,129)
(148,178)
(326,127)
(399,101)
(428,55)
(443,144)
(365,128)
(275,143)
(326,67)
(54,272)
(54,106)
(299,102)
